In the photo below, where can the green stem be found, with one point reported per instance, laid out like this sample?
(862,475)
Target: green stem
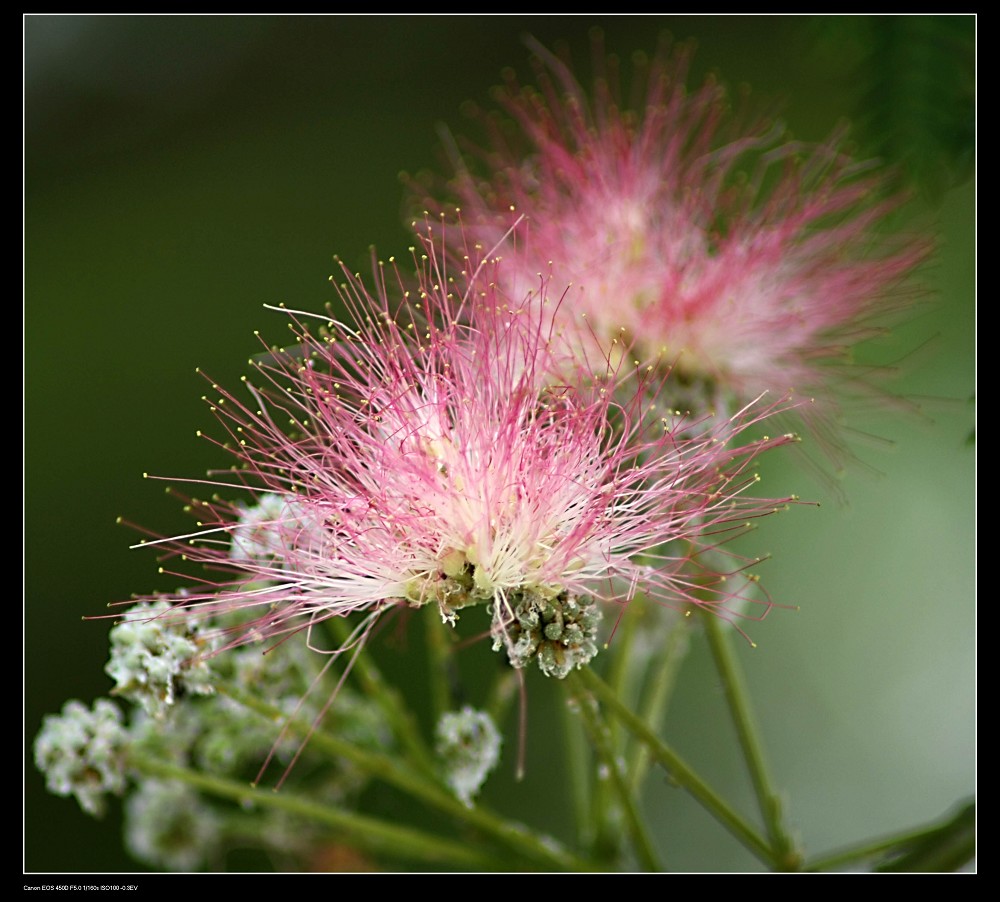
(619,672)
(518,839)
(358,830)
(788,856)
(502,695)
(388,699)
(439,658)
(681,772)
(578,769)
(867,849)
(956,839)
(600,738)
(656,698)
(605,835)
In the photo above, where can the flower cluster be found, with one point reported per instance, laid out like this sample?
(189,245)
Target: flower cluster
(428,452)
(748,261)
(178,719)
(81,753)
(156,657)
(468,745)
(557,416)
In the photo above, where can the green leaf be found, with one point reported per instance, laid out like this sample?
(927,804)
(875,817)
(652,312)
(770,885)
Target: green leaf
(945,848)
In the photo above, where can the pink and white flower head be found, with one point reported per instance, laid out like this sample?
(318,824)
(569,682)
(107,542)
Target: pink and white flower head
(422,454)
(747,262)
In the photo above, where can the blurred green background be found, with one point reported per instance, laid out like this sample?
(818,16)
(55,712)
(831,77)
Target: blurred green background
(180,172)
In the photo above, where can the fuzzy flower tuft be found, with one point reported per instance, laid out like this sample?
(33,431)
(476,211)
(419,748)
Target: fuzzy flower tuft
(82,753)
(423,454)
(156,656)
(468,744)
(750,262)
(169,825)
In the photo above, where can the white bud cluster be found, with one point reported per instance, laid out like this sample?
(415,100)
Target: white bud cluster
(81,753)
(155,657)
(168,825)
(468,744)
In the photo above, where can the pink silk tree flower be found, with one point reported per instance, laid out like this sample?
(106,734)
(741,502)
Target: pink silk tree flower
(422,453)
(707,239)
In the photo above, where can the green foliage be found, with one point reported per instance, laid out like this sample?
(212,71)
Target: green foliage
(915,84)
(947,848)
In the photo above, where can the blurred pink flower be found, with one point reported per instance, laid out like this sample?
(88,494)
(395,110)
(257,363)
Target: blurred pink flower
(747,262)
(425,456)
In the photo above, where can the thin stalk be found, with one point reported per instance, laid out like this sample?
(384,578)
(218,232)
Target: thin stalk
(867,849)
(605,837)
(368,833)
(656,698)
(516,838)
(955,838)
(600,738)
(502,694)
(508,685)
(681,772)
(388,699)
(738,698)
(623,641)
(578,771)
(439,658)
